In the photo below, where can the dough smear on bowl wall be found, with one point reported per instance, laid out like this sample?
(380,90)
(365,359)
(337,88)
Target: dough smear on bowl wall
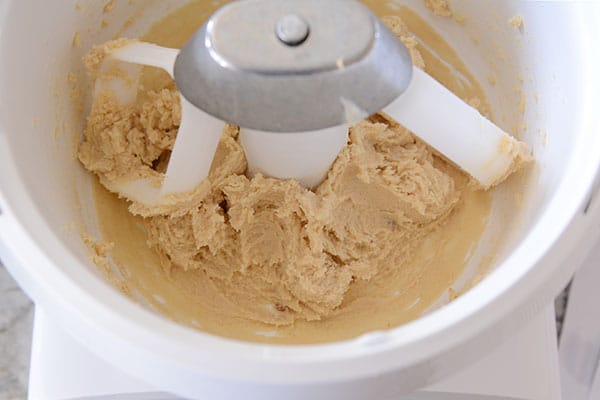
(375,245)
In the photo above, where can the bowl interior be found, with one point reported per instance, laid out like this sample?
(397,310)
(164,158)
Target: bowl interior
(43,115)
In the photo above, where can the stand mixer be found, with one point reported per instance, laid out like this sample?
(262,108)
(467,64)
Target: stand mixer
(540,254)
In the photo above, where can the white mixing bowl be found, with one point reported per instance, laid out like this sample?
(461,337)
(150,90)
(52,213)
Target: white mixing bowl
(43,190)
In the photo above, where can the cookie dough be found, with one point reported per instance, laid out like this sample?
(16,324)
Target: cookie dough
(439,7)
(271,251)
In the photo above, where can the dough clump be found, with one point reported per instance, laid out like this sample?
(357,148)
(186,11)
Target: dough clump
(439,7)
(277,251)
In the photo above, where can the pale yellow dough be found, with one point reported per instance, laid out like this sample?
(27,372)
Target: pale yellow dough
(271,251)
(439,7)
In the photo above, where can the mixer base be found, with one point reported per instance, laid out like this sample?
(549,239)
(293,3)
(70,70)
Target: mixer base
(525,367)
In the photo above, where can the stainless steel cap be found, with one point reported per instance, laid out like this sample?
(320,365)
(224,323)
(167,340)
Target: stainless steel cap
(292,66)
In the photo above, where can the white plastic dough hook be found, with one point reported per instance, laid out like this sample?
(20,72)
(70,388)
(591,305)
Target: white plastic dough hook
(294,87)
